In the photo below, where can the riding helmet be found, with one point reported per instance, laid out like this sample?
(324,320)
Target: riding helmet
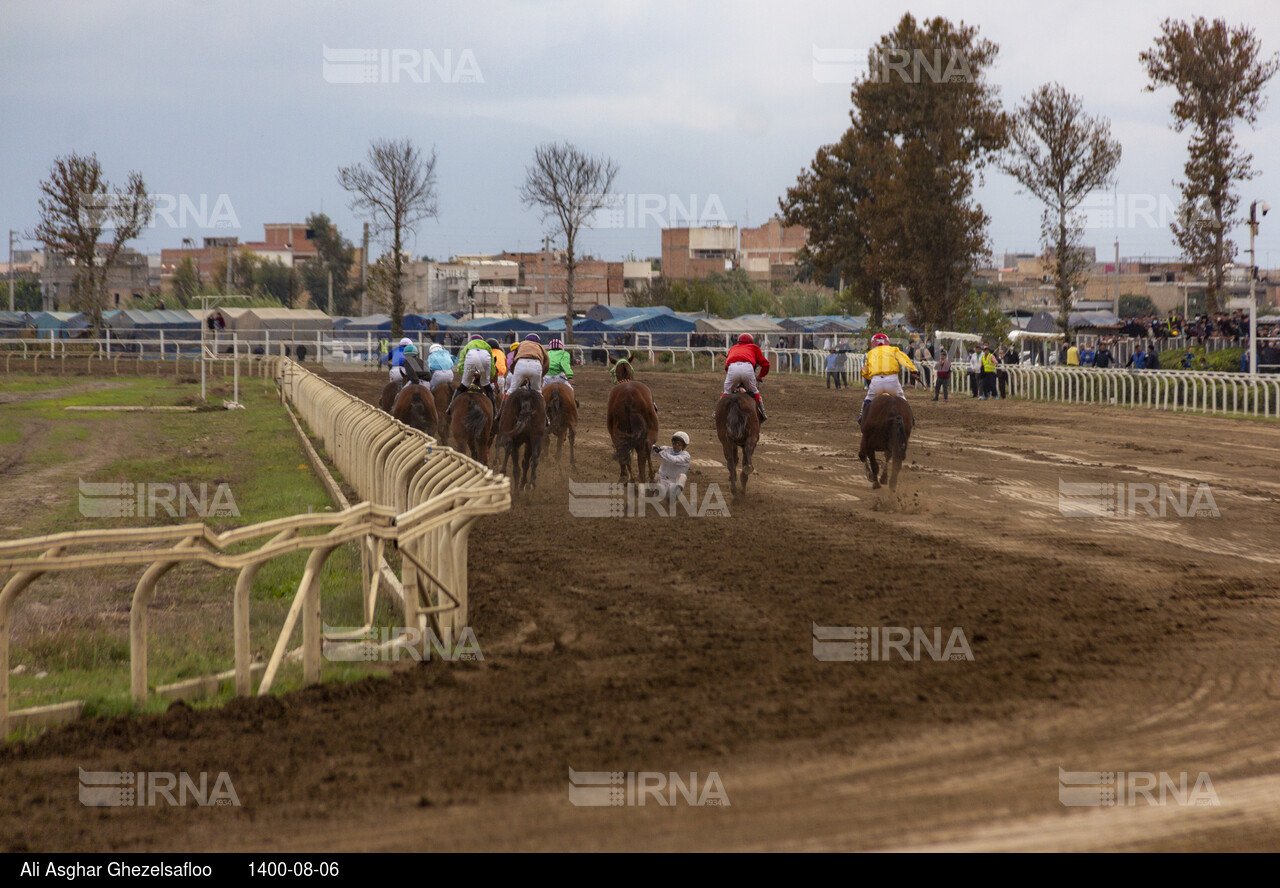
(533,337)
(555,343)
(879,339)
(682,437)
(746,339)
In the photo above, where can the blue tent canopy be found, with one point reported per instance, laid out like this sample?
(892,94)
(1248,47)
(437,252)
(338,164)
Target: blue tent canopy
(664,326)
(136,324)
(609,313)
(501,325)
(14,320)
(54,322)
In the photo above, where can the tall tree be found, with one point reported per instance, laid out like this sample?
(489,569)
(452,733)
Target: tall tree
(1219,74)
(186,282)
(395,189)
(568,186)
(76,207)
(938,124)
(1061,155)
(334,255)
(835,200)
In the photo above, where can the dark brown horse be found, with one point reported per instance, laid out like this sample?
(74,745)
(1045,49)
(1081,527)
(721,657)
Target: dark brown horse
(738,425)
(562,410)
(632,422)
(472,418)
(388,396)
(521,428)
(886,428)
(442,394)
(415,407)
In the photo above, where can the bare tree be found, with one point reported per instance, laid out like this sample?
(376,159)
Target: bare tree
(395,189)
(569,186)
(1219,73)
(1061,155)
(76,207)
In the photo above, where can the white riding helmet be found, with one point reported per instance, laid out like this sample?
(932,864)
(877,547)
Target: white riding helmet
(406,341)
(435,347)
(682,437)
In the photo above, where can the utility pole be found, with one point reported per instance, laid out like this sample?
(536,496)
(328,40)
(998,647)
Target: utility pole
(546,272)
(11,234)
(228,271)
(1253,282)
(364,273)
(330,292)
(1116,309)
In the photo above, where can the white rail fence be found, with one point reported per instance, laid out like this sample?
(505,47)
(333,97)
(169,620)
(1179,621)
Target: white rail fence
(423,497)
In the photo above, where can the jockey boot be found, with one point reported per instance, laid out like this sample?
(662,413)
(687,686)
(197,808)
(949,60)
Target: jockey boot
(760,407)
(862,411)
(493,398)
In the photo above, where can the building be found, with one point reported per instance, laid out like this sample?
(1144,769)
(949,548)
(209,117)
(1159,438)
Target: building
(129,277)
(544,276)
(768,253)
(691,253)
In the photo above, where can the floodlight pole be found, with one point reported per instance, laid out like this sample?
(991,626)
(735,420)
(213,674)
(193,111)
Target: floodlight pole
(1253,299)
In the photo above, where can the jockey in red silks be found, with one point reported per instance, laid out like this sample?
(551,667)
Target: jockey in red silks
(745,363)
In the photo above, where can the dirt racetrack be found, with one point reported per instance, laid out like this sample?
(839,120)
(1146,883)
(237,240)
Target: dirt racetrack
(683,644)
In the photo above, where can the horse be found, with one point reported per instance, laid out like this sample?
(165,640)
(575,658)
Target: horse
(886,428)
(620,369)
(442,395)
(522,426)
(415,407)
(562,410)
(632,422)
(388,396)
(472,418)
(738,426)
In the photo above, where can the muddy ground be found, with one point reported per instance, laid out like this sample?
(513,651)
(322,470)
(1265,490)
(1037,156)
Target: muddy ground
(1133,644)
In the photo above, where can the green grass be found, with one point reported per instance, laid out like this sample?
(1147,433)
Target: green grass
(256,453)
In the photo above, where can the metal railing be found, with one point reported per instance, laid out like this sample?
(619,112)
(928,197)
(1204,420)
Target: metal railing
(424,497)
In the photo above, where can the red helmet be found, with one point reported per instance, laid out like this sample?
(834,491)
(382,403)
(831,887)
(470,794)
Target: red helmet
(879,339)
(745,339)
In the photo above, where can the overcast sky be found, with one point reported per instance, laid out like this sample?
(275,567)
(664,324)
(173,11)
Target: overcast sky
(721,104)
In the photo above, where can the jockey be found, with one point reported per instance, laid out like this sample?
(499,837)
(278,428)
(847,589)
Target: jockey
(674,472)
(530,363)
(881,370)
(559,363)
(499,362)
(477,366)
(744,362)
(413,368)
(396,358)
(440,363)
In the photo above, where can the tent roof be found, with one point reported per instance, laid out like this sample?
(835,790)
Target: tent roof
(1093,319)
(282,319)
(744,324)
(618,312)
(962,337)
(166,317)
(1042,322)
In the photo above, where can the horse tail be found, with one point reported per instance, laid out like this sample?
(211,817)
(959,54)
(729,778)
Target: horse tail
(523,418)
(553,407)
(474,421)
(634,434)
(736,422)
(897,436)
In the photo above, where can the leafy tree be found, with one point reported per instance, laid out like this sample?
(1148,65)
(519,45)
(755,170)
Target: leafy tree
(1219,75)
(275,280)
(26,294)
(334,254)
(980,313)
(186,282)
(243,264)
(1136,306)
(569,186)
(76,207)
(394,189)
(1061,155)
(934,135)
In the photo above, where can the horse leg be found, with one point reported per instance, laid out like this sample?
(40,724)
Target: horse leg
(873,471)
(731,460)
(888,460)
(895,465)
(748,451)
(531,455)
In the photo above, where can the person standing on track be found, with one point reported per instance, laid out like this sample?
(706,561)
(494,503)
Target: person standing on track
(881,369)
(744,362)
(942,378)
(975,368)
(988,377)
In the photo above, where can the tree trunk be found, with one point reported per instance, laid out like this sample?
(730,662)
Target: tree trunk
(571,269)
(397,294)
(1064,291)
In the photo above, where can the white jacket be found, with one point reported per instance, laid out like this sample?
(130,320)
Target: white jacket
(673,464)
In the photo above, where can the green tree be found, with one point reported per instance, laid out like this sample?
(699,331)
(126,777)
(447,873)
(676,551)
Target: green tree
(1219,74)
(1136,306)
(334,254)
(980,313)
(186,282)
(935,134)
(1061,155)
(275,280)
(26,294)
(243,264)
(77,206)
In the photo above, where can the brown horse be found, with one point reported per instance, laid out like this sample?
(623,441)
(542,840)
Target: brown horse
(886,428)
(388,397)
(472,418)
(738,425)
(521,428)
(632,422)
(442,395)
(562,410)
(415,407)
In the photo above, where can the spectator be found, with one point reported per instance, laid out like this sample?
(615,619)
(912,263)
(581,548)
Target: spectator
(1188,359)
(1137,360)
(988,365)
(942,382)
(833,372)
(1073,356)
(975,368)
(1153,357)
(1102,360)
